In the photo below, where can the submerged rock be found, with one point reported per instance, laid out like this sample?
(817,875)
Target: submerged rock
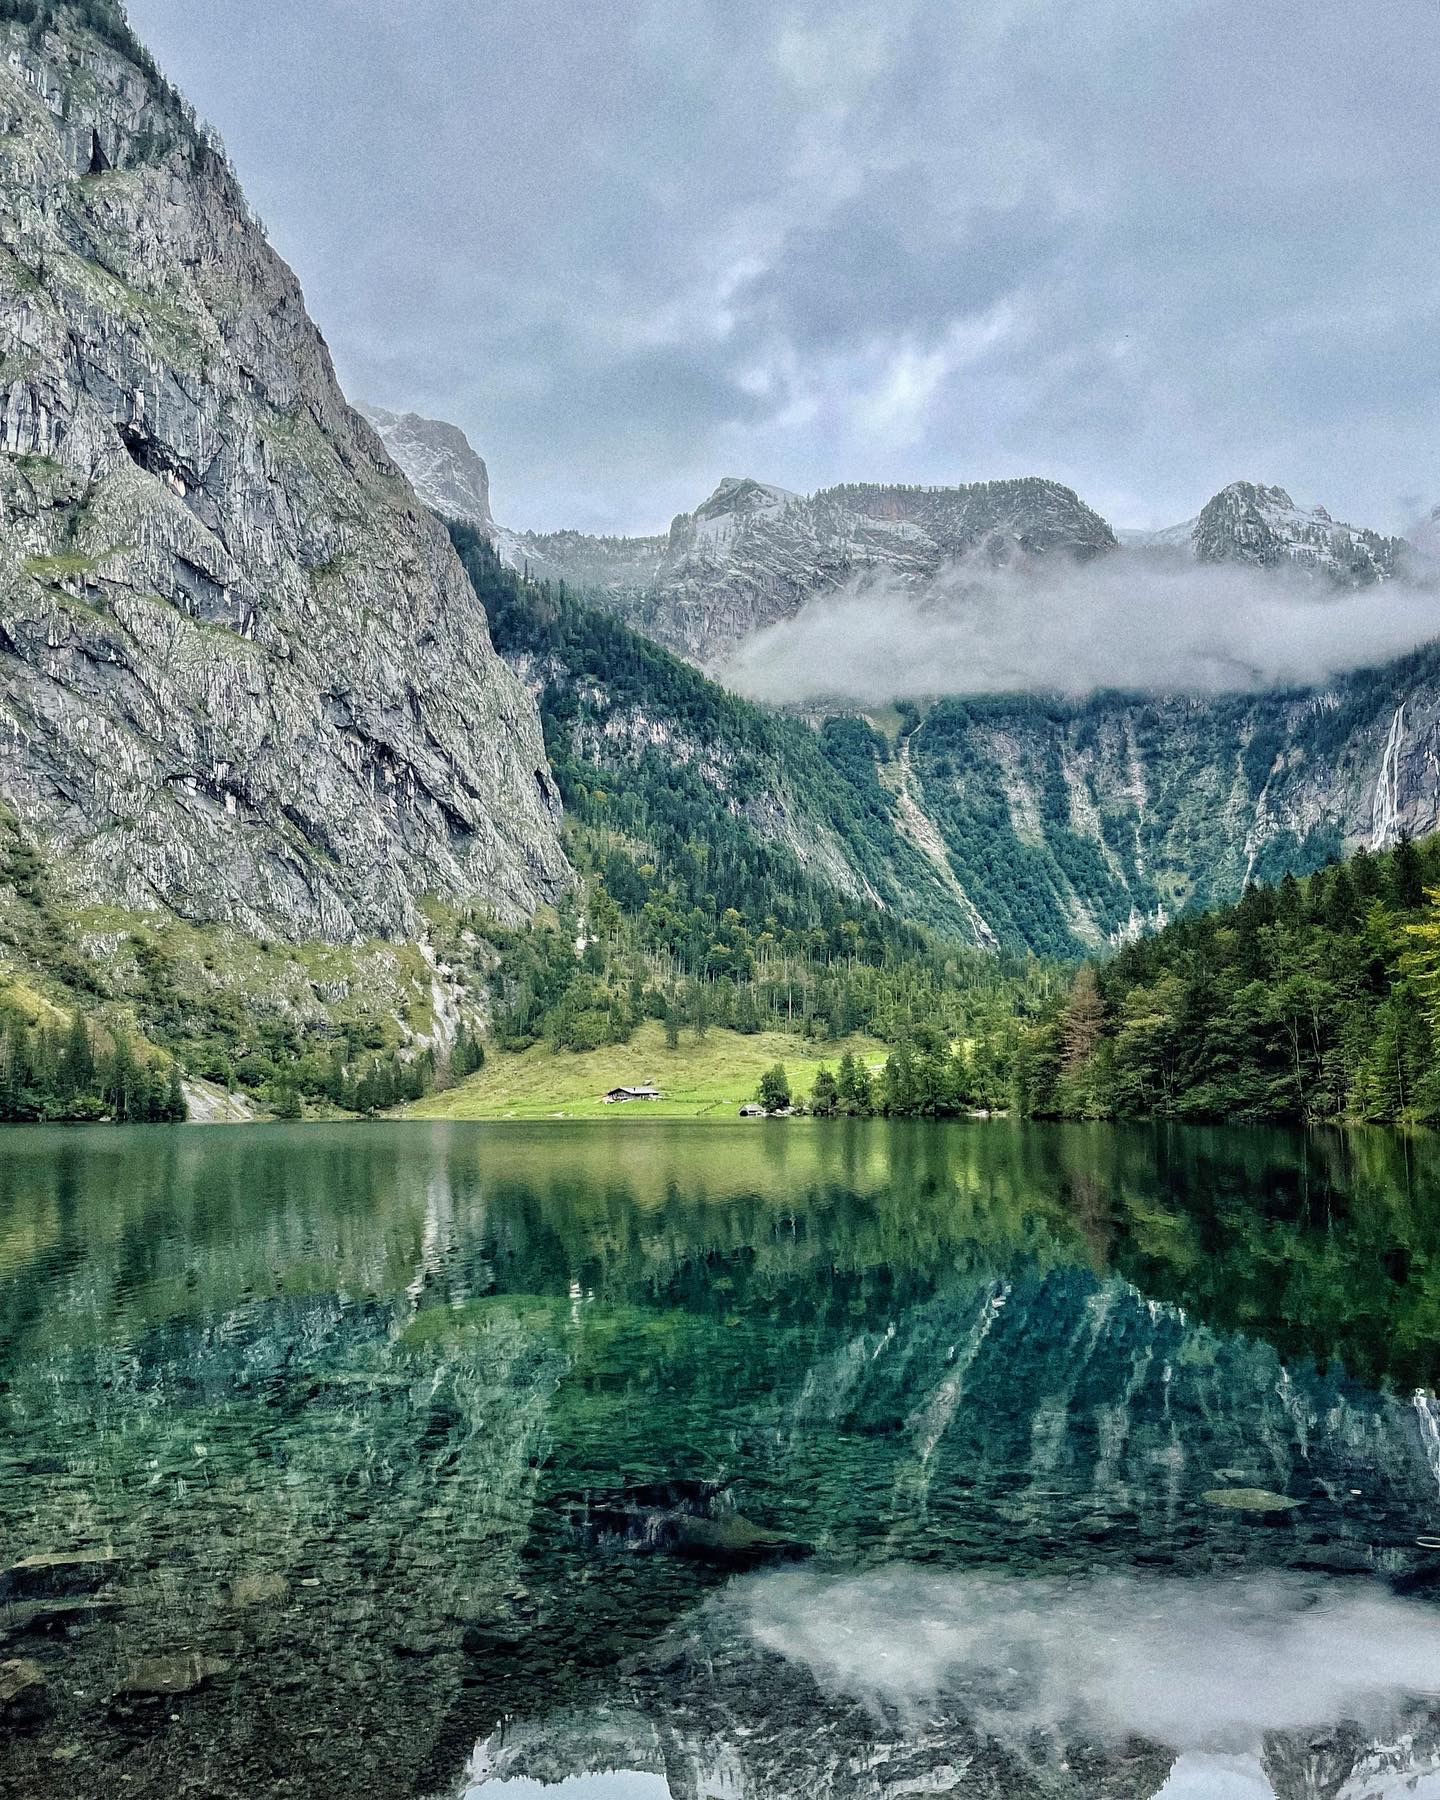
(258,1590)
(1251,1499)
(56,1615)
(162,1677)
(734,1541)
(43,1576)
(24,1696)
(685,1518)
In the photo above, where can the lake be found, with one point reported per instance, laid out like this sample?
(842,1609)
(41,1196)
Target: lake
(853,1459)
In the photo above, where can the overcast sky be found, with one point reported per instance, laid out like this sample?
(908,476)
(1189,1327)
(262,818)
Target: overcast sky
(1143,246)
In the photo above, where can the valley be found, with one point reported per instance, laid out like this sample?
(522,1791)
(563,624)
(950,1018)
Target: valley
(314,798)
(789,1155)
(1056,825)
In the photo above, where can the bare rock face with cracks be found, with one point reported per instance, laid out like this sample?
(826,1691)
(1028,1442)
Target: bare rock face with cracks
(242,673)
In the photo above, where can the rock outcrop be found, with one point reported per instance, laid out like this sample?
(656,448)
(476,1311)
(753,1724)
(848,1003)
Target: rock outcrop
(242,674)
(1262,526)
(438,461)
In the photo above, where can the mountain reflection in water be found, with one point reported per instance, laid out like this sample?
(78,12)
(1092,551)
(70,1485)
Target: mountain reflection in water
(863,1461)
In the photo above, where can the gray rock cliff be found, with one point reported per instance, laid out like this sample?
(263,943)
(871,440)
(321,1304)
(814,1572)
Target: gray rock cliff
(752,554)
(242,674)
(439,463)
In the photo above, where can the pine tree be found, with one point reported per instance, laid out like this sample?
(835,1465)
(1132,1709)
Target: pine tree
(1407,877)
(1084,1021)
(900,1088)
(77,1060)
(774,1090)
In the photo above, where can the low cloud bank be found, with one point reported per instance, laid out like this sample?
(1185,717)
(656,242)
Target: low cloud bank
(1203,1666)
(1126,621)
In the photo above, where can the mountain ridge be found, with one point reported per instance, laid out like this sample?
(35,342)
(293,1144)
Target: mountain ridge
(1066,826)
(752,554)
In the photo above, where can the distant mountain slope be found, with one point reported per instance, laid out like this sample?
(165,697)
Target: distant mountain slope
(1262,526)
(1165,537)
(1082,823)
(1015,822)
(752,554)
(447,475)
(241,672)
(1038,823)
(791,818)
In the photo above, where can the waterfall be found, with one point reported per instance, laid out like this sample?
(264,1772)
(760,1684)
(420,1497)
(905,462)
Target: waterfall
(1385,813)
(1427,1414)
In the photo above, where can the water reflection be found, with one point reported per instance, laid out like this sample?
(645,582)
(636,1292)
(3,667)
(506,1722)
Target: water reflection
(435,1460)
(908,1681)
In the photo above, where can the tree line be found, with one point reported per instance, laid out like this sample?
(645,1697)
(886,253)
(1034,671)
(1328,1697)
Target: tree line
(922,1078)
(1306,1000)
(73,1074)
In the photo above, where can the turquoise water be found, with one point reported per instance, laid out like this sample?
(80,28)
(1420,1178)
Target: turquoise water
(851,1460)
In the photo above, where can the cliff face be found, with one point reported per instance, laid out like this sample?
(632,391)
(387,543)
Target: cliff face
(447,475)
(242,674)
(753,554)
(1083,823)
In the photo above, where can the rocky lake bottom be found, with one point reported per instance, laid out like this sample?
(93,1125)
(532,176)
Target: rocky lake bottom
(856,1460)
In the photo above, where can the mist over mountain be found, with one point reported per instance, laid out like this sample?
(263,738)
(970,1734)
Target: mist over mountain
(1137,620)
(1113,726)
(864,592)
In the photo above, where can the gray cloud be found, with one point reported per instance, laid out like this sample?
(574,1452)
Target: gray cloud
(1144,250)
(1147,620)
(1202,1666)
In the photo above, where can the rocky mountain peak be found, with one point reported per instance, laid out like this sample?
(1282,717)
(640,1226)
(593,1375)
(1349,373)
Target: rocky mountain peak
(740,496)
(1248,522)
(439,462)
(738,501)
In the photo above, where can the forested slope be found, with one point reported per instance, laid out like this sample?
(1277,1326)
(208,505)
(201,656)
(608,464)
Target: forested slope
(1073,825)
(743,868)
(1307,1000)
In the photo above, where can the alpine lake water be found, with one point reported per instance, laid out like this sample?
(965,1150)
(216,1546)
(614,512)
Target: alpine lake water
(615,1463)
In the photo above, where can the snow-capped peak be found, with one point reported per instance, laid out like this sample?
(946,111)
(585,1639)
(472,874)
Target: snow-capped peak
(446,472)
(1248,522)
(737,497)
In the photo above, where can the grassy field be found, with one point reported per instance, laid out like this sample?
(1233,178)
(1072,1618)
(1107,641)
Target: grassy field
(710,1079)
